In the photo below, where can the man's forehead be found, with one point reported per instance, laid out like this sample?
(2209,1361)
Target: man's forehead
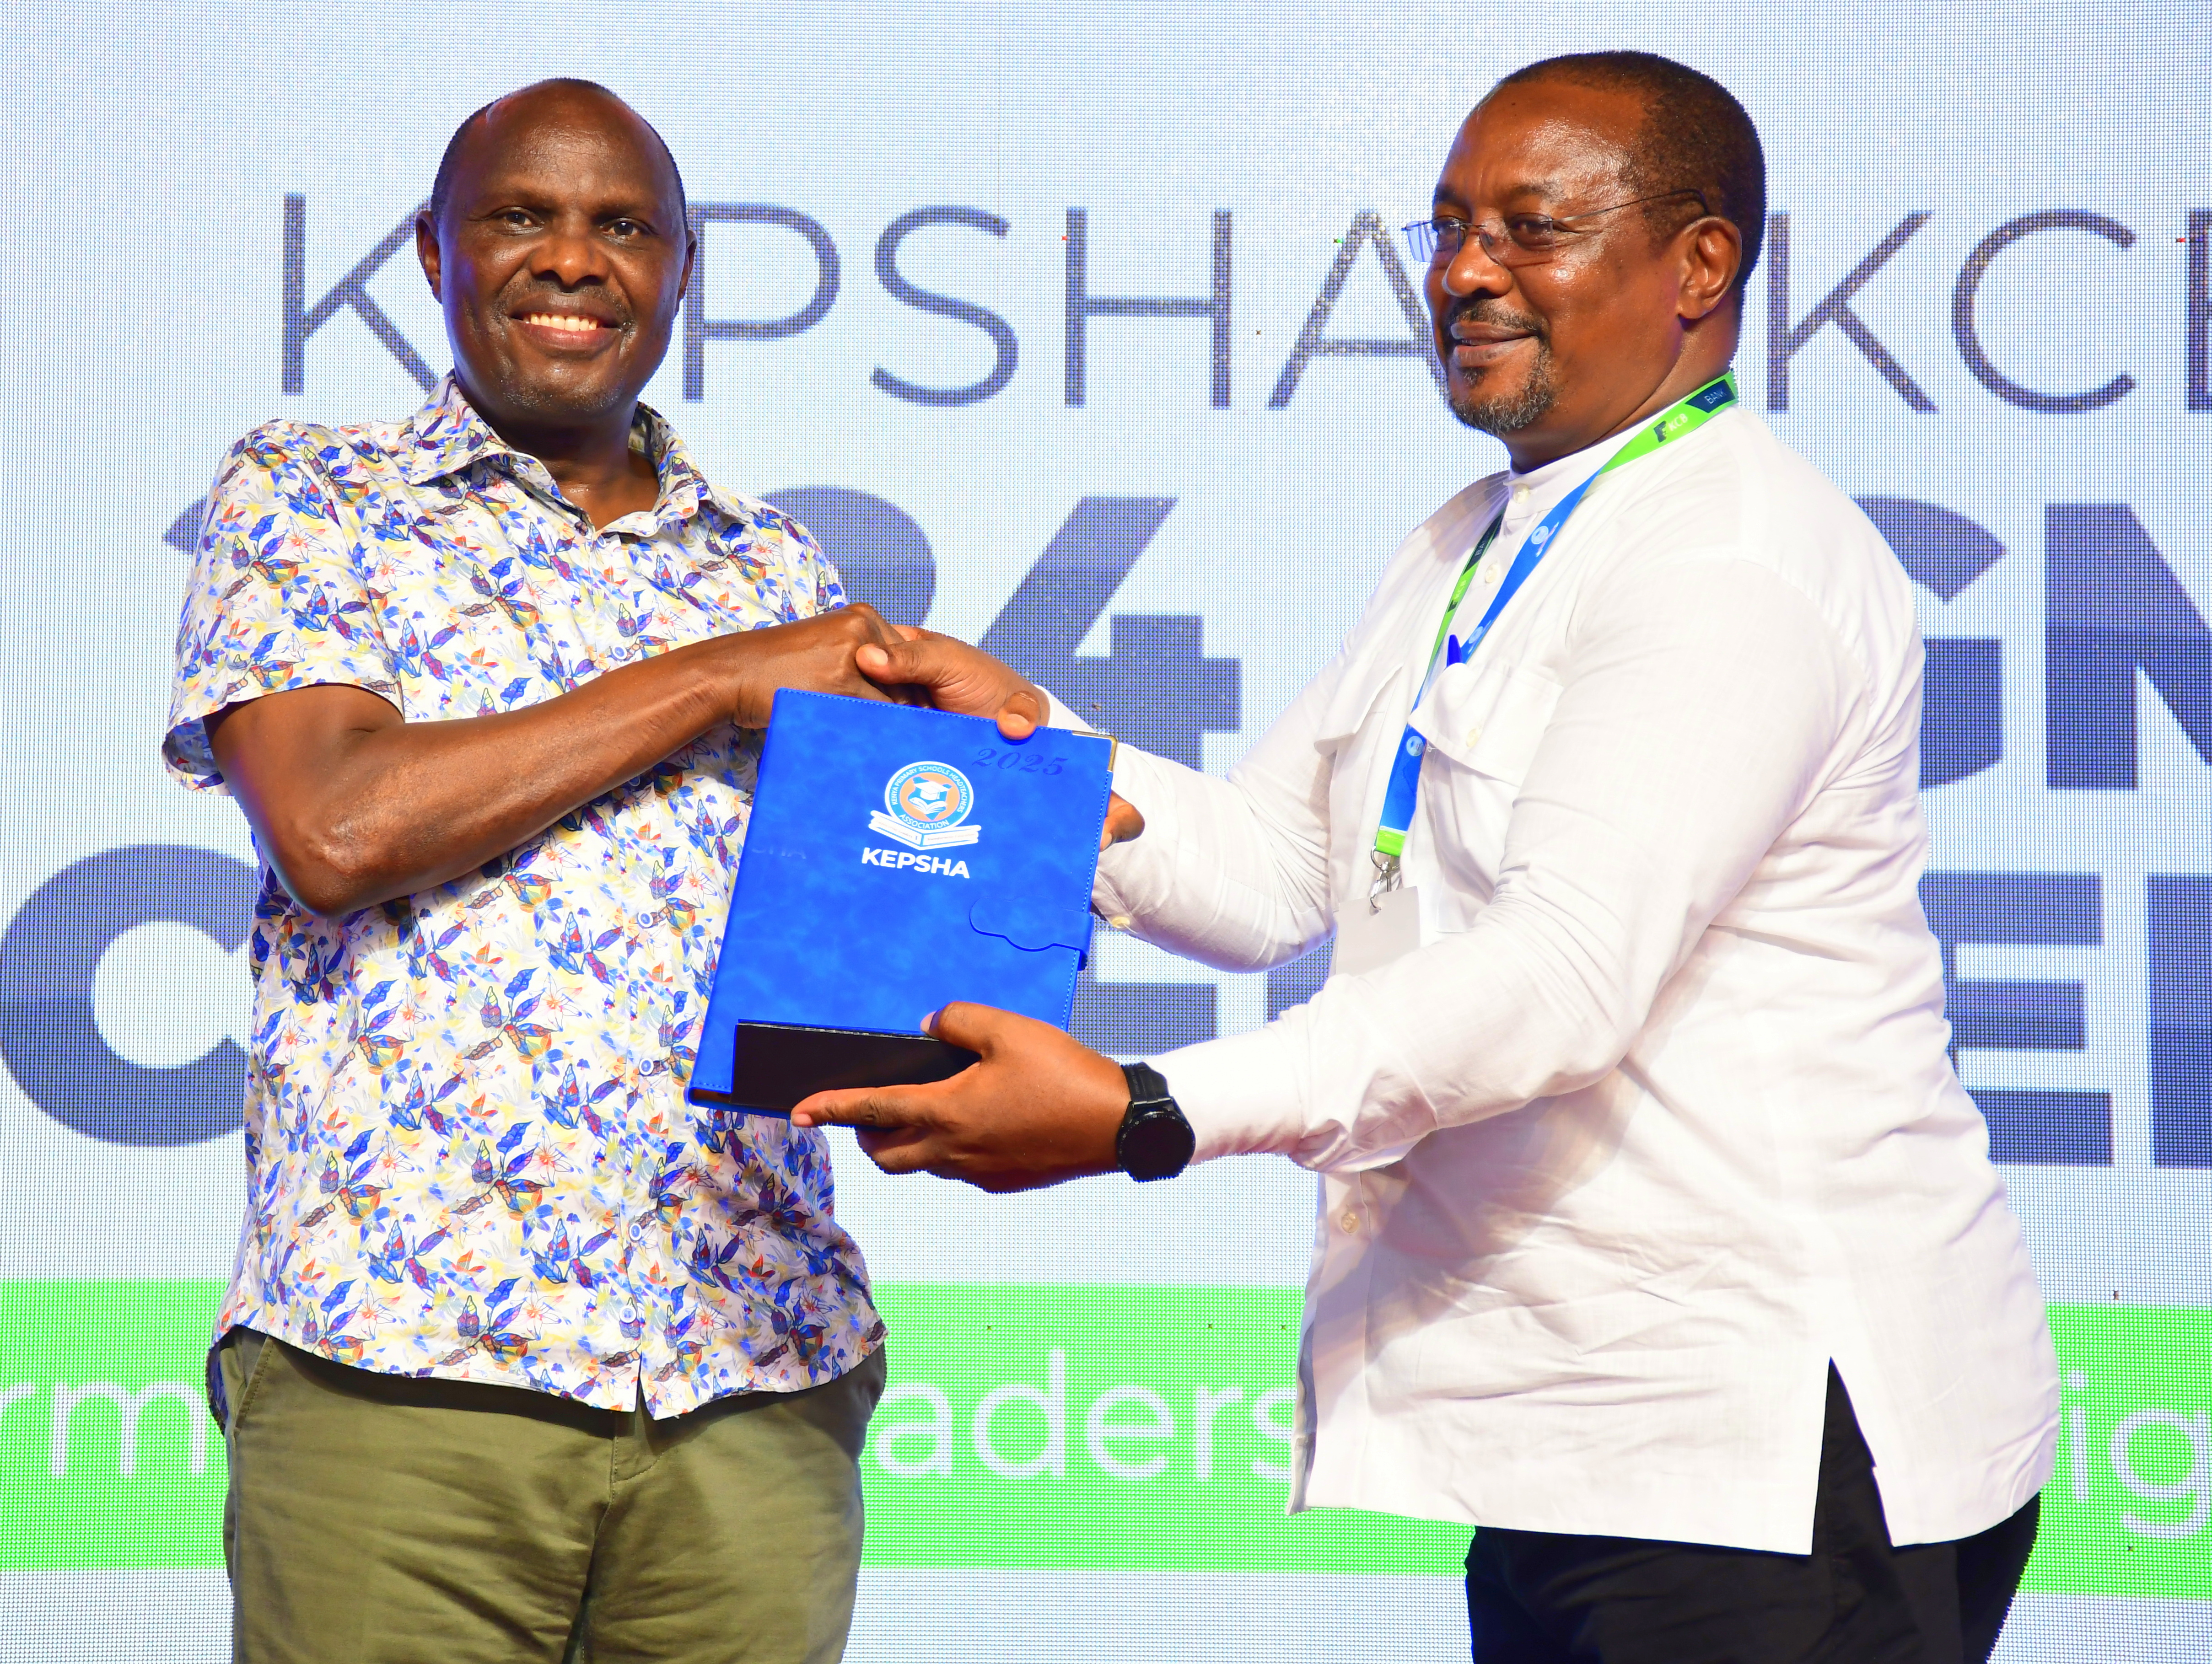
(516,132)
(1541,138)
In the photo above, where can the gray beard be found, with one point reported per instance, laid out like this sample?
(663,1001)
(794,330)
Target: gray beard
(1499,416)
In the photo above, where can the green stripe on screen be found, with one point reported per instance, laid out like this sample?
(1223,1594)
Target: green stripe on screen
(1086,1427)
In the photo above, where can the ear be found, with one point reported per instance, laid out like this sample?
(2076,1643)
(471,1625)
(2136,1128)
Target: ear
(426,251)
(1712,253)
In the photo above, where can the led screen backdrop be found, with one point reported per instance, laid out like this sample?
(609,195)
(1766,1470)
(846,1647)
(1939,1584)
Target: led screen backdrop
(1076,330)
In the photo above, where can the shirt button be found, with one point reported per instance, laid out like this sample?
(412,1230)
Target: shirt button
(1475,736)
(1350,1221)
(1520,497)
(1118,921)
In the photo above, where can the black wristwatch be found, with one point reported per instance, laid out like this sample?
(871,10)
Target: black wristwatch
(1155,1141)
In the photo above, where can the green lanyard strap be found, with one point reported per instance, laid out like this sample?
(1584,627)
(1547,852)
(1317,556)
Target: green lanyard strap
(1677,419)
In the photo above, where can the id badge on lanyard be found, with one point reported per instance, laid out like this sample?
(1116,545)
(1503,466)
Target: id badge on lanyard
(1389,926)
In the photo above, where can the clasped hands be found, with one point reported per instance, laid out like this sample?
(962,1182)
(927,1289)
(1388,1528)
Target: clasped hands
(1039,1106)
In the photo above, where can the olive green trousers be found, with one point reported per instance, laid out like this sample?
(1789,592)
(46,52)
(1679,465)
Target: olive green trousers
(378,1519)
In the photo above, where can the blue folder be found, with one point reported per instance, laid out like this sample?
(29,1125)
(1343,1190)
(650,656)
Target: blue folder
(896,859)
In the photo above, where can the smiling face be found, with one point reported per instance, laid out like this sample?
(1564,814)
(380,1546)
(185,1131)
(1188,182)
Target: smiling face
(559,260)
(1557,354)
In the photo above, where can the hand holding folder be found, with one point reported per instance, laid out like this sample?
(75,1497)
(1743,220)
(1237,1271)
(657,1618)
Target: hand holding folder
(956,677)
(1039,1107)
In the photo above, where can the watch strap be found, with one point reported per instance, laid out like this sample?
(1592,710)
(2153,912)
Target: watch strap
(1146,1084)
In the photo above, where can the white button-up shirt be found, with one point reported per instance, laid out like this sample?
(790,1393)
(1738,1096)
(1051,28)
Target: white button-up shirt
(1658,1119)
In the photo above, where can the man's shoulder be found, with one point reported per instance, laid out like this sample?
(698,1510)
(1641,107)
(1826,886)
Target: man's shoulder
(758,534)
(331,450)
(1467,509)
(1737,493)
(762,518)
(1448,534)
(1785,475)
(1739,489)
(742,518)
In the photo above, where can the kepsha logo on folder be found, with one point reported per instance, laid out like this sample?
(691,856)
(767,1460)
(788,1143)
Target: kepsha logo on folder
(925,806)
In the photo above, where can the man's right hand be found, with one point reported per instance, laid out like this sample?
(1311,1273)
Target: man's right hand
(955,676)
(815,654)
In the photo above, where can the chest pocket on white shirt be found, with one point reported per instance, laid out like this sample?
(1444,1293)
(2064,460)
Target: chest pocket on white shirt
(1351,734)
(1490,718)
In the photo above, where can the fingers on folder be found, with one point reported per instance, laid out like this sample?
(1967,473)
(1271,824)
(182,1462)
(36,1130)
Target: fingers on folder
(955,676)
(1037,1108)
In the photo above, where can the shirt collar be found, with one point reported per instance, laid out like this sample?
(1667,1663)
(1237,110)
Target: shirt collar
(682,487)
(1532,492)
(447,435)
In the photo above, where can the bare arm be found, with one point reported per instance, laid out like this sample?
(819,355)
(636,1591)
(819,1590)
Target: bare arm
(354,805)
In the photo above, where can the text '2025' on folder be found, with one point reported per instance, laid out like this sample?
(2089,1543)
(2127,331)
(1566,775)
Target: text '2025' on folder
(896,859)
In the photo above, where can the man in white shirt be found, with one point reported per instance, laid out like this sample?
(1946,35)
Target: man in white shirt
(1657,1238)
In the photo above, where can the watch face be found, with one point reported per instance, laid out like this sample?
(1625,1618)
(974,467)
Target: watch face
(1157,1143)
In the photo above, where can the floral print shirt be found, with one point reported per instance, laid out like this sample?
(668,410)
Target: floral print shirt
(467,1147)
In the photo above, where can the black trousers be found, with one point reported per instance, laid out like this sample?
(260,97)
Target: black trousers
(1540,1598)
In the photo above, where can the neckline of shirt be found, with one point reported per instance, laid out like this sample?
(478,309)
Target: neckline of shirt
(1529,494)
(1526,496)
(682,490)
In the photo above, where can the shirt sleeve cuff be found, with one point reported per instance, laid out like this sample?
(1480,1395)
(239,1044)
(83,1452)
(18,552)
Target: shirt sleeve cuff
(1139,778)
(1144,867)
(1240,1094)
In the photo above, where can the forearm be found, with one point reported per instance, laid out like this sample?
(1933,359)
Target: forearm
(354,805)
(400,807)
(1216,877)
(1527,1005)
(1231,873)
(1696,727)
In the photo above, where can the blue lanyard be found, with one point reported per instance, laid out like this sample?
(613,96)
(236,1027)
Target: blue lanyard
(1405,786)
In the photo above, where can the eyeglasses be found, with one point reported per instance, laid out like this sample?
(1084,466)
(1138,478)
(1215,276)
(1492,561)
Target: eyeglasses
(1521,240)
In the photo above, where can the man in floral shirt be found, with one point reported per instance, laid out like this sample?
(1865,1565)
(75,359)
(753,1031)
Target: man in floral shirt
(523,1358)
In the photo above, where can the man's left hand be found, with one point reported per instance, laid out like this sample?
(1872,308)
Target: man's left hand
(1039,1108)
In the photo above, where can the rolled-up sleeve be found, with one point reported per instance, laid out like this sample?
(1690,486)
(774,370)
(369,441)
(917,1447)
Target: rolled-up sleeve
(1703,703)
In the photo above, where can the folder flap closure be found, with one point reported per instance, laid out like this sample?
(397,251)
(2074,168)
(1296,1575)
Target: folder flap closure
(1030,926)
